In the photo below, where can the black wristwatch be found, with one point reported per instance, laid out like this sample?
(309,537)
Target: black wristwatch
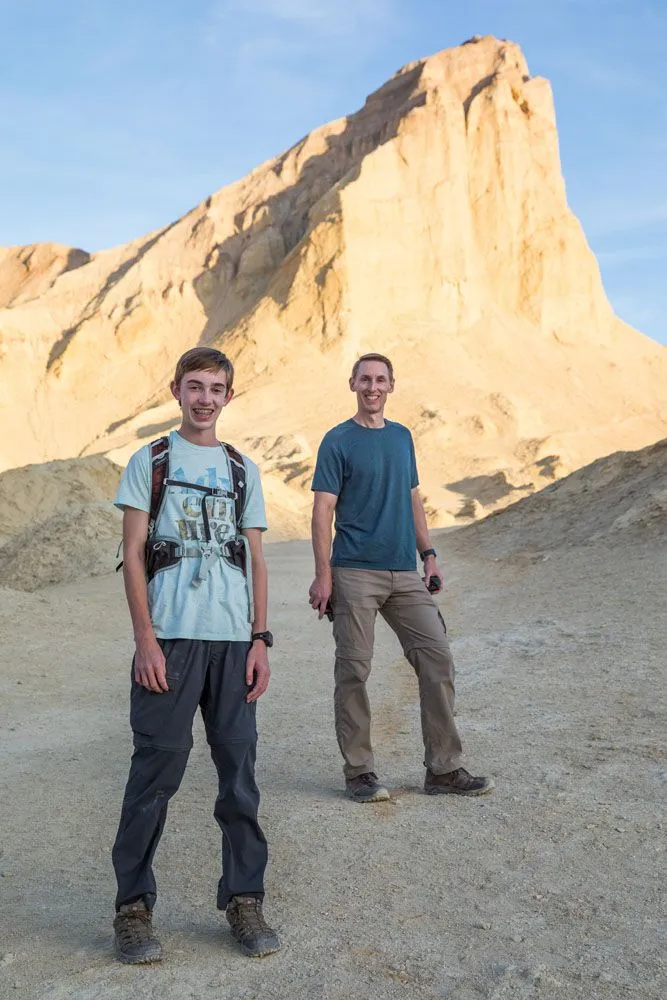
(426,553)
(266,637)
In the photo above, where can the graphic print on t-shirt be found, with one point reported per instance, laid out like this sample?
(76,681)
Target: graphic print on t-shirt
(220,510)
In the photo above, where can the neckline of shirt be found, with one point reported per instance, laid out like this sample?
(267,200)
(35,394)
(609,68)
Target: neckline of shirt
(196,447)
(375,429)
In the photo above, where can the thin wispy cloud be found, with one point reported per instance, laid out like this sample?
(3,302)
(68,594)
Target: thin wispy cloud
(621,256)
(610,218)
(362,24)
(313,13)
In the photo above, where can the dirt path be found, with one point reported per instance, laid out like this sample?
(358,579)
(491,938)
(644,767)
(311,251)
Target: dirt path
(550,887)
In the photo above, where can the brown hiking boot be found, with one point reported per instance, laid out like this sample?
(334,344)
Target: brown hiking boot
(366,788)
(135,942)
(245,917)
(458,782)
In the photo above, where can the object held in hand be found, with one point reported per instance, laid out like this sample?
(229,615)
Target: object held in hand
(328,611)
(434,584)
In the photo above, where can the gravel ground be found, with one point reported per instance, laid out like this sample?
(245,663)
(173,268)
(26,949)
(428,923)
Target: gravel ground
(549,887)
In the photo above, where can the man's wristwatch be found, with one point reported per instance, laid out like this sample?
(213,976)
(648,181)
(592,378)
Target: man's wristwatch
(266,637)
(426,553)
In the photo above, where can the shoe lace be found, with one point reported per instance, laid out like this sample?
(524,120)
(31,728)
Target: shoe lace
(463,777)
(134,928)
(250,918)
(369,778)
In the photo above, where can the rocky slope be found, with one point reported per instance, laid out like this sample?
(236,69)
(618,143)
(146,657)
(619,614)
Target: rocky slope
(58,523)
(622,497)
(432,225)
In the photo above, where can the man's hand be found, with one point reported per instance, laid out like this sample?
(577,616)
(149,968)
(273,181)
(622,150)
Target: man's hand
(430,570)
(150,668)
(257,672)
(319,594)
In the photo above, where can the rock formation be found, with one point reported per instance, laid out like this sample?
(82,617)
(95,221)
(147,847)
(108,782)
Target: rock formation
(431,225)
(621,497)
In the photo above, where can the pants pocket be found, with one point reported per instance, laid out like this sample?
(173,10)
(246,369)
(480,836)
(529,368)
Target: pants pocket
(151,710)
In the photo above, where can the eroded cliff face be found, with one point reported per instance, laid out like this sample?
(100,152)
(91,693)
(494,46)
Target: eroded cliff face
(432,225)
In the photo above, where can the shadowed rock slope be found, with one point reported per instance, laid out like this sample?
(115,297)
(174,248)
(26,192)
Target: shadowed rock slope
(622,497)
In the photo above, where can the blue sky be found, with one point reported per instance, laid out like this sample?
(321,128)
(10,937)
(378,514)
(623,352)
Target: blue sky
(117,117)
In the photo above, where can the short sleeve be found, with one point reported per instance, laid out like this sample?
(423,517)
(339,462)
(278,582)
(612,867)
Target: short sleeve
(414,478)
(328,476)
(135,484)
(254,513)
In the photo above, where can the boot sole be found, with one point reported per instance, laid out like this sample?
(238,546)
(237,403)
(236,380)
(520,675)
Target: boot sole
(382,795)
(435,790)
(147,960)
(258,954)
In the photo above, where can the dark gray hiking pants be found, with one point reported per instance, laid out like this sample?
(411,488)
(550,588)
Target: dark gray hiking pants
(210,675)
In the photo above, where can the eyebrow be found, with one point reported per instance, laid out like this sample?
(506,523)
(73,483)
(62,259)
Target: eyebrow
(214,385)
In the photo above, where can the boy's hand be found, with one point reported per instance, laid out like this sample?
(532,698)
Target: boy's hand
(150,668)
(257,672)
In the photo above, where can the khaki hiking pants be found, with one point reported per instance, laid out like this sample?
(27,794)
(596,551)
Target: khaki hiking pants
(408,608)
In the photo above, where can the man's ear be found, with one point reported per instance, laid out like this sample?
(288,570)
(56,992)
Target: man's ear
(176,391)
(391,386)
(351,384)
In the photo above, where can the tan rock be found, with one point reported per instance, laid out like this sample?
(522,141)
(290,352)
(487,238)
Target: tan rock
(432,225)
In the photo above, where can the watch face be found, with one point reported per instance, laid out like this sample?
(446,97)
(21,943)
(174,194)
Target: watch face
(266,637)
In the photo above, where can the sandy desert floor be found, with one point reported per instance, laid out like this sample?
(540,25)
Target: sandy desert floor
(549,887)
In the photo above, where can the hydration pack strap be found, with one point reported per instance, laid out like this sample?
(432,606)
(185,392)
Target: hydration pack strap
(159,471)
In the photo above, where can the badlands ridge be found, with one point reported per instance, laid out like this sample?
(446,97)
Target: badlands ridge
(431,225)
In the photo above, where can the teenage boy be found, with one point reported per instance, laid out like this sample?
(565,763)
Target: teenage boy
(366,474)
(196,586)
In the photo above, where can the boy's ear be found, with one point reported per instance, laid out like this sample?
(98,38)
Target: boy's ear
(229,397)
(175,391)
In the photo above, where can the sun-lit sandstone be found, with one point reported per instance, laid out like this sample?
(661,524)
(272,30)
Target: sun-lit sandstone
(431,225)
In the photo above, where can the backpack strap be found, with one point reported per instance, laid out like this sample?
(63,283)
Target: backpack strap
(159,471)
(239,485)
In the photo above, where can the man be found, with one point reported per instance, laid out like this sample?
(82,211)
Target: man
(200,641)
(366,474)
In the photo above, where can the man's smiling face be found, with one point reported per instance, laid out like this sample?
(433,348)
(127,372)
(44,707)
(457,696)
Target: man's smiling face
(372,384)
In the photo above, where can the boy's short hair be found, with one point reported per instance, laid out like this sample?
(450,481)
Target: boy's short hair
(373,357)
(204,359)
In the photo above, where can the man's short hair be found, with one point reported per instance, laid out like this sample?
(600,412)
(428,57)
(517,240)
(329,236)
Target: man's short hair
(373,357)
(204,359)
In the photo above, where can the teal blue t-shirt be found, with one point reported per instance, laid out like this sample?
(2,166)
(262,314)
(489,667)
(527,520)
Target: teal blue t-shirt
(372,471)
(217,607)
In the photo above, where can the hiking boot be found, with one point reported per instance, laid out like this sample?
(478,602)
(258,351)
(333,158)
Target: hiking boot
(366,788)
(458,782)
(244,914)
(135,942)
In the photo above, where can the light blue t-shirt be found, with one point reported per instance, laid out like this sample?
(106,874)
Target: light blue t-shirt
(219,605)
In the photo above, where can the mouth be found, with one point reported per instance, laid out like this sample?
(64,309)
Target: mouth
(201,412)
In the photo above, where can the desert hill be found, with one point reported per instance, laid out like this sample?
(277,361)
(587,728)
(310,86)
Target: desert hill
(432,225)
(59,525)
(619,498)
